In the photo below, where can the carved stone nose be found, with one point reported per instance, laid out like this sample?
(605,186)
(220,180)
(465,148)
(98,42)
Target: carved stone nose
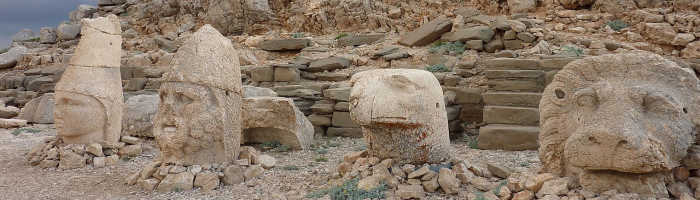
(611,139)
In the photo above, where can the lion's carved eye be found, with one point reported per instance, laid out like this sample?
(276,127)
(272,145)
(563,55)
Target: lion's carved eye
(560,94)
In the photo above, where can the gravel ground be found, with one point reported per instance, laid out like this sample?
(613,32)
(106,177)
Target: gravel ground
(297,173)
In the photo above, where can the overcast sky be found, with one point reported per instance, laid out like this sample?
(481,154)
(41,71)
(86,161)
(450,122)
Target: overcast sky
(33,14)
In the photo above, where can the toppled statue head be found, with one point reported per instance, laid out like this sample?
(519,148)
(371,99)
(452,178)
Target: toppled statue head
(402,115)
(199,115)
(89,99)
(629,117)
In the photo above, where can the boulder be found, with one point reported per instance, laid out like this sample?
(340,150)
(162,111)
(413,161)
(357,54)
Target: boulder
(68,31)
(176,182)
(427,33)
(267,119)
(8,112)
(284,44)
(9,58)
(47,35)
(207,181)
(24,35)
(521,6)
(250,91)
(83,11)
(253,172)
(448,181)
(328,64)
(70,160)
(140,111)
(576,4)
(39,110)
(410,192)
(483,33)
(660,33)
(12,123)
(359,39)
(691,51)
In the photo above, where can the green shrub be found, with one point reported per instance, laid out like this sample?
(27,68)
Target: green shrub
(349,191)
(437,68)
(617,24)
(572,51)
(283,148)
(36,39)
(472,141)
(342,35)
(270,145)
(28,130)
(321,151)
(447,47)
(297,35)
(321,159)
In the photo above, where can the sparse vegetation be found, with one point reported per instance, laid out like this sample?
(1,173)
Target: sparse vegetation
(290,168)
(437,68)
(447,47)
(321,159)
(321,151)
(617,24)
(349,191)
(571,51)
(341,35)
(500,185)
(297,35)
(270,145)
(472,141)
(36,39)
(22,130)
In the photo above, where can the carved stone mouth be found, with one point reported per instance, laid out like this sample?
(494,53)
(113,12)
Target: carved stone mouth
(169,129)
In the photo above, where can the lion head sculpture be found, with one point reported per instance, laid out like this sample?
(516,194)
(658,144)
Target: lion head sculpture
(623,114)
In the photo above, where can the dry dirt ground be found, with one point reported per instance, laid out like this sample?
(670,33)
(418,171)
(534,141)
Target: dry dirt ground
(297,172)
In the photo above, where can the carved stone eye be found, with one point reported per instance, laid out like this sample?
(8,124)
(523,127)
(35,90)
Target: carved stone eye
(685,110)
(559,93)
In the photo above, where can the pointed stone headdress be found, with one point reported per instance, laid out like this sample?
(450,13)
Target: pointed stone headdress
(94,70)
(209,48)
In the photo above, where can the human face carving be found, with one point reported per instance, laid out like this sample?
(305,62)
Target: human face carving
(79,117)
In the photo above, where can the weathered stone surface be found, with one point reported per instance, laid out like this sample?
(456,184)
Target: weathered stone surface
(524,195)
(68,31)
(574,4)
(345,132)
(508,137)
(328,64)
(499,171)
(692,50)
(89,99)
(250,91)
(387,102)
(284,44)
(521,6)
(70,160)
(286,74)
(557,187)
(9,58)
(617,107)
(47,35)
(176,182)
(253,172)
(8,112)
(359,39)
(427,33)
(83,11)
(199,117)
(410,192)
(525,99)
(233,175)
(24,35)
(130,150)
(692,160)
(140,112)
(483,33)
(511,115)
(208,181)
(340,94)
(511,64)
(262,74)
(369,182)
(660,33)
(448,181)
(267,119)
(266,161)
(343,120)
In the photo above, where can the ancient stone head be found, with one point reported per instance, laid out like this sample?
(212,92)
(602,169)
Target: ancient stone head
(198,119)
(634,113)
(89,98)
(402,114)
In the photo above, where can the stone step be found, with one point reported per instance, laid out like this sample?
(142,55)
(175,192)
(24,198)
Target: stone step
(511,63)
(524,99)
(511,115)
(504,74)
(517,85)
(508,137)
